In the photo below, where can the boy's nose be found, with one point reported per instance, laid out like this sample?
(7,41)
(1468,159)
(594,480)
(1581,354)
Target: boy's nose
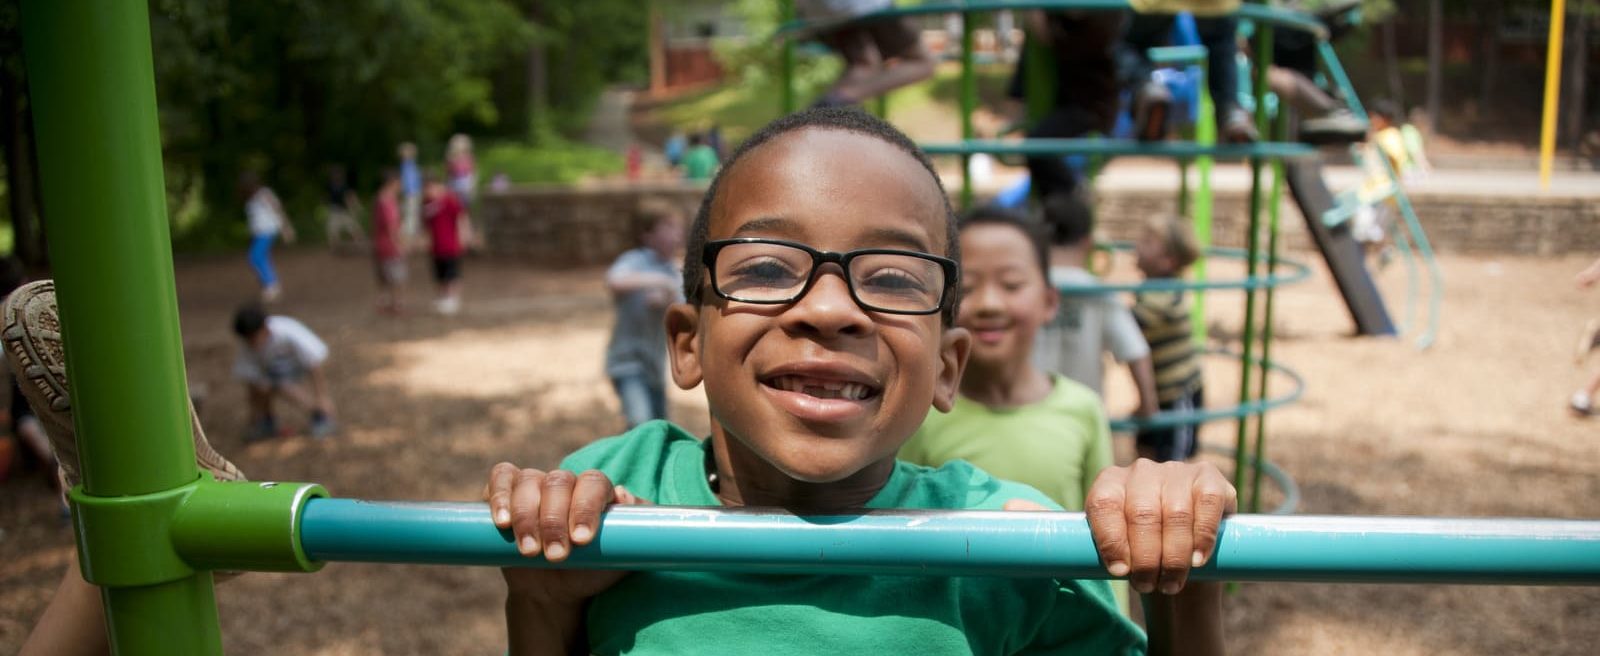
(828,308)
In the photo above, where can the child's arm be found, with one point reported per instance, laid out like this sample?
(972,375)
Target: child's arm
(319,390)
(1192,618)
(549,513)
(1588,277)
(1143,371)
(74,622)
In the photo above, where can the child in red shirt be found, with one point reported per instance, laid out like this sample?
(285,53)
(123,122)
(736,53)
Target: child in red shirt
(450,228)
(388,256)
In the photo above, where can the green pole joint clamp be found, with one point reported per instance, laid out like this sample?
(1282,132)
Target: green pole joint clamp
(165,536)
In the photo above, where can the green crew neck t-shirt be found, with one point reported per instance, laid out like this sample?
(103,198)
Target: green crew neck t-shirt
(1056,445)
(773,615)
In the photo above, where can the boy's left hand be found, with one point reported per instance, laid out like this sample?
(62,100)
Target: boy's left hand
(1152,522)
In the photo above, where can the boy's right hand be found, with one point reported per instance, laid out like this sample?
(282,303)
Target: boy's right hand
(548,513)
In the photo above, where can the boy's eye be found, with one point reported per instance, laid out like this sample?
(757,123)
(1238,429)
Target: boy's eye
(892,275)
(761,273)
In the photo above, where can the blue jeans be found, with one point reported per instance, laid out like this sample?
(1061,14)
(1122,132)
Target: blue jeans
(261,259)
(643,399)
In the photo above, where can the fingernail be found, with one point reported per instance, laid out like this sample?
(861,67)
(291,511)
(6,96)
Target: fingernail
(1198,559)
(527,546)
(556,551)
(1170,588)
(1117,568)
(502,516)
(581,534)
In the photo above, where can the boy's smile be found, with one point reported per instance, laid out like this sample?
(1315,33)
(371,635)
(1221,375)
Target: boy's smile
(820,390)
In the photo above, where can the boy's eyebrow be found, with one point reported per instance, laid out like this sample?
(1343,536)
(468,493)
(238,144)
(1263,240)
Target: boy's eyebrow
(900,237)
(773,223)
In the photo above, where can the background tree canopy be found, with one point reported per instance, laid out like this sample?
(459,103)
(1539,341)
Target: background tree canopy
(287,88)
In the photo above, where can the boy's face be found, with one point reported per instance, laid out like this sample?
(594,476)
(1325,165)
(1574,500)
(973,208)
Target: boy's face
(666,237)
(1005,298)
(1154,261)
(767,368)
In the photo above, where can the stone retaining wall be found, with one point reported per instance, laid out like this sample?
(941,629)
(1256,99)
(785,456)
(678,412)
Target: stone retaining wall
(566,227)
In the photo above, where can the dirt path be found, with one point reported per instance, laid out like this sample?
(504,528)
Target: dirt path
(1473,427)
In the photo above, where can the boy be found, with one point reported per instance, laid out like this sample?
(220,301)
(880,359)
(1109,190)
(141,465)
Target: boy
(1088,325)
(643,282)
(410,190)
(388,256)
(278,356)
(700,161)
(1012,418)
(1165,248)
(449,228)
(820,319)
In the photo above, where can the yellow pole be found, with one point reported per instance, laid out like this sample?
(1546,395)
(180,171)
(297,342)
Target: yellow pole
(1552,91)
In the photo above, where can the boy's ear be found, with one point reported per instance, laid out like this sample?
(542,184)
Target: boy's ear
(954,346)
(683,344)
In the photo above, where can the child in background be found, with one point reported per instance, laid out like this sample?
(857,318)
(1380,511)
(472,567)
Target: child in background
(643,282)
(267,223)
(343,206)
(700,161)
(388,251)
(1582,403)
(410,192)
(1166,248)
(819,317)
(1086,326)
(462,168)
(280,357)
(1013,419)
(879,55)
(449,230)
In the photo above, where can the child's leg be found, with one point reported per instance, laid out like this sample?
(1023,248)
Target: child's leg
(261,260)
(658,398)
(634,394)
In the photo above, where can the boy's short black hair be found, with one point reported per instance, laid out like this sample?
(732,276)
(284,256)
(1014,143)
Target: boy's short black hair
(993,215)
(1385,108)
(846,119)
(249,320)
(1069,216)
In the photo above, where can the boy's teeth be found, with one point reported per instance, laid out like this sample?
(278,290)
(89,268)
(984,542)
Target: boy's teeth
(823,389)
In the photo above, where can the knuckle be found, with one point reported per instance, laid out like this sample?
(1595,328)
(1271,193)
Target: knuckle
(1101,502)
(1144,514)
(594,476)
(1179,515)
(1175,562)
(560,478)
(552,525)
(525,476)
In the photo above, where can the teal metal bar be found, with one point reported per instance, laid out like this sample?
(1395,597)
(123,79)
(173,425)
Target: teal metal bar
(92,83)
(968,543)
(1096,146)
(1299,271)
(1260,406)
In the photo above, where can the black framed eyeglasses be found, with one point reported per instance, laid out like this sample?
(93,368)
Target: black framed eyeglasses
(775,272)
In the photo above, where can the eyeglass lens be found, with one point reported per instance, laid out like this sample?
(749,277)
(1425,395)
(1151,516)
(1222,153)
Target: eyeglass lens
(776,273)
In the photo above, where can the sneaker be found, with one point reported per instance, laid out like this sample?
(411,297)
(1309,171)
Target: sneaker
(1587,341)
(1581,404)
(1151,105)
(1240,127)
(1342,126)
(36,354)
(263,429)
(321,426)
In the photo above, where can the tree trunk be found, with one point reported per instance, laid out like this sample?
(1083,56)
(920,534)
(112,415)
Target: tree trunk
(1435,61)
(21,182)
(1489,22)
(1391,63)
(1573,91)
(539,124)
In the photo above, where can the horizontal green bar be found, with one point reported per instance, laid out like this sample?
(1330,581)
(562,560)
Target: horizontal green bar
(1169,418)
(968,543)
(1178,55)
(1260,13)
(1181,149)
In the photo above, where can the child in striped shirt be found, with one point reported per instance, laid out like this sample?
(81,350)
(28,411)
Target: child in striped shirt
(1166,248)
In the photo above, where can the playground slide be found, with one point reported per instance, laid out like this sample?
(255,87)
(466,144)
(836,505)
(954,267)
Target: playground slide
(1341,251)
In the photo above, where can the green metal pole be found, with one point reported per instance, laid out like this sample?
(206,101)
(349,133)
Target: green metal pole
(1205,134)
(1253,255)
(1276,209)
(786,74)
(93,87)
(969,104)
